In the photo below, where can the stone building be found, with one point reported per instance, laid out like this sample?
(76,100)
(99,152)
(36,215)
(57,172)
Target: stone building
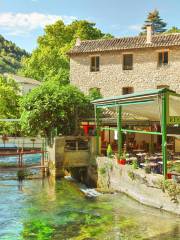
(125,65)
(25,84)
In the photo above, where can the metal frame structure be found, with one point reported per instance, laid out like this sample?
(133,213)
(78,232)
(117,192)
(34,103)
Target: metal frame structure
(132,99)
(9,120)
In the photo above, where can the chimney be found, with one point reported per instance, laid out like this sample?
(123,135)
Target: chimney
(78,42)
(149,30)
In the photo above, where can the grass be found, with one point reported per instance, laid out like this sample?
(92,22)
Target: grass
(8,165)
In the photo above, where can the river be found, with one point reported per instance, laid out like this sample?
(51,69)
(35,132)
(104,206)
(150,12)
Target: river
(44,209)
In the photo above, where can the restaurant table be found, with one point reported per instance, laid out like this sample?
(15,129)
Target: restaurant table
(159,154)
(176,157)
(168,162)
(153,158)
(141,154)
(149,164)
(141,157)
(131,159)
(153,166)
(138,150)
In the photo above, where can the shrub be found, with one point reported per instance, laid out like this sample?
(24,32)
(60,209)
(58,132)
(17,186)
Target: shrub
(135,164)
(131,175)
(109,151)
(147,169)
(172,188)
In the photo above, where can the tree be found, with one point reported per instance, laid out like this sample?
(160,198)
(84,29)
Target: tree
(95,93)
(53,106)
(10,56)
(159,26)
(49,60)
(173,30)
(9,104)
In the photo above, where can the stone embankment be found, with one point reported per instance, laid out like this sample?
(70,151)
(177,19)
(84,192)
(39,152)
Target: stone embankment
(149,189)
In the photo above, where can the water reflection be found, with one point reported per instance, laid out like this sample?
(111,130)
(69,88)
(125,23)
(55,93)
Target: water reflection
(45,209)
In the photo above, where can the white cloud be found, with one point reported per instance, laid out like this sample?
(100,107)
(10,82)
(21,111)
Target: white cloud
(24,23)
(135,27)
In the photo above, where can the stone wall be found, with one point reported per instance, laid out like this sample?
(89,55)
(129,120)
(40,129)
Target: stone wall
(145,188)
(60,158)
(111,78)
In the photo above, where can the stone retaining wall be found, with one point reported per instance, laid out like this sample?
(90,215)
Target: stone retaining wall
(145,188)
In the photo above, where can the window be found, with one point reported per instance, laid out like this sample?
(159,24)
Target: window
(127,62)
(163,58)
(95,64)
(127,90)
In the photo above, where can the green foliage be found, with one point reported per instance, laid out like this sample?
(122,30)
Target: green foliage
(109,151)
(53,106)
(37,230)
(174,167)
(131,175)
(94,93)
(147,169)
(172,188)
(159,26)
(173,30)
(49,60)
(102,171)
(10,56)
(177,168)
(135,164)
(9,105)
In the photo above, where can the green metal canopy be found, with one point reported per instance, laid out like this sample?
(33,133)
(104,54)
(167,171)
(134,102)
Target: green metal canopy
(161,105)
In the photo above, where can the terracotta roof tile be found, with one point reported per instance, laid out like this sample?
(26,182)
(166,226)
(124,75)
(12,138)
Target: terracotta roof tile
(102,45)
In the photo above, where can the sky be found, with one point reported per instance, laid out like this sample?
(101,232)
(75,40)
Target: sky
(22,21)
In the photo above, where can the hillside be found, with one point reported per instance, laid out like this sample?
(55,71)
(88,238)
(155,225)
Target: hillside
(10,56)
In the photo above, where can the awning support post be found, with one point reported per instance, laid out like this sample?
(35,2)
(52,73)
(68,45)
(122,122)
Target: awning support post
(164,134)
(97,130)
(119,125)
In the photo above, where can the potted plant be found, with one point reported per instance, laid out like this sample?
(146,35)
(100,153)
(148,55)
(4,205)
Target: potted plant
(109,151)
(169,175)
(122,159)
(135,163)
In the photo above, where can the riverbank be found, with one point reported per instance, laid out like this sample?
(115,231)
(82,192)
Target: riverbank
(148,189)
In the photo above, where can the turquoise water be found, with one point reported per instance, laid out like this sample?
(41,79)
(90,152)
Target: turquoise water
(27,159)
(45,209)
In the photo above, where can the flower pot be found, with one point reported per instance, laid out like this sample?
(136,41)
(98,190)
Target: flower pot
(169,176)
(122,161)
